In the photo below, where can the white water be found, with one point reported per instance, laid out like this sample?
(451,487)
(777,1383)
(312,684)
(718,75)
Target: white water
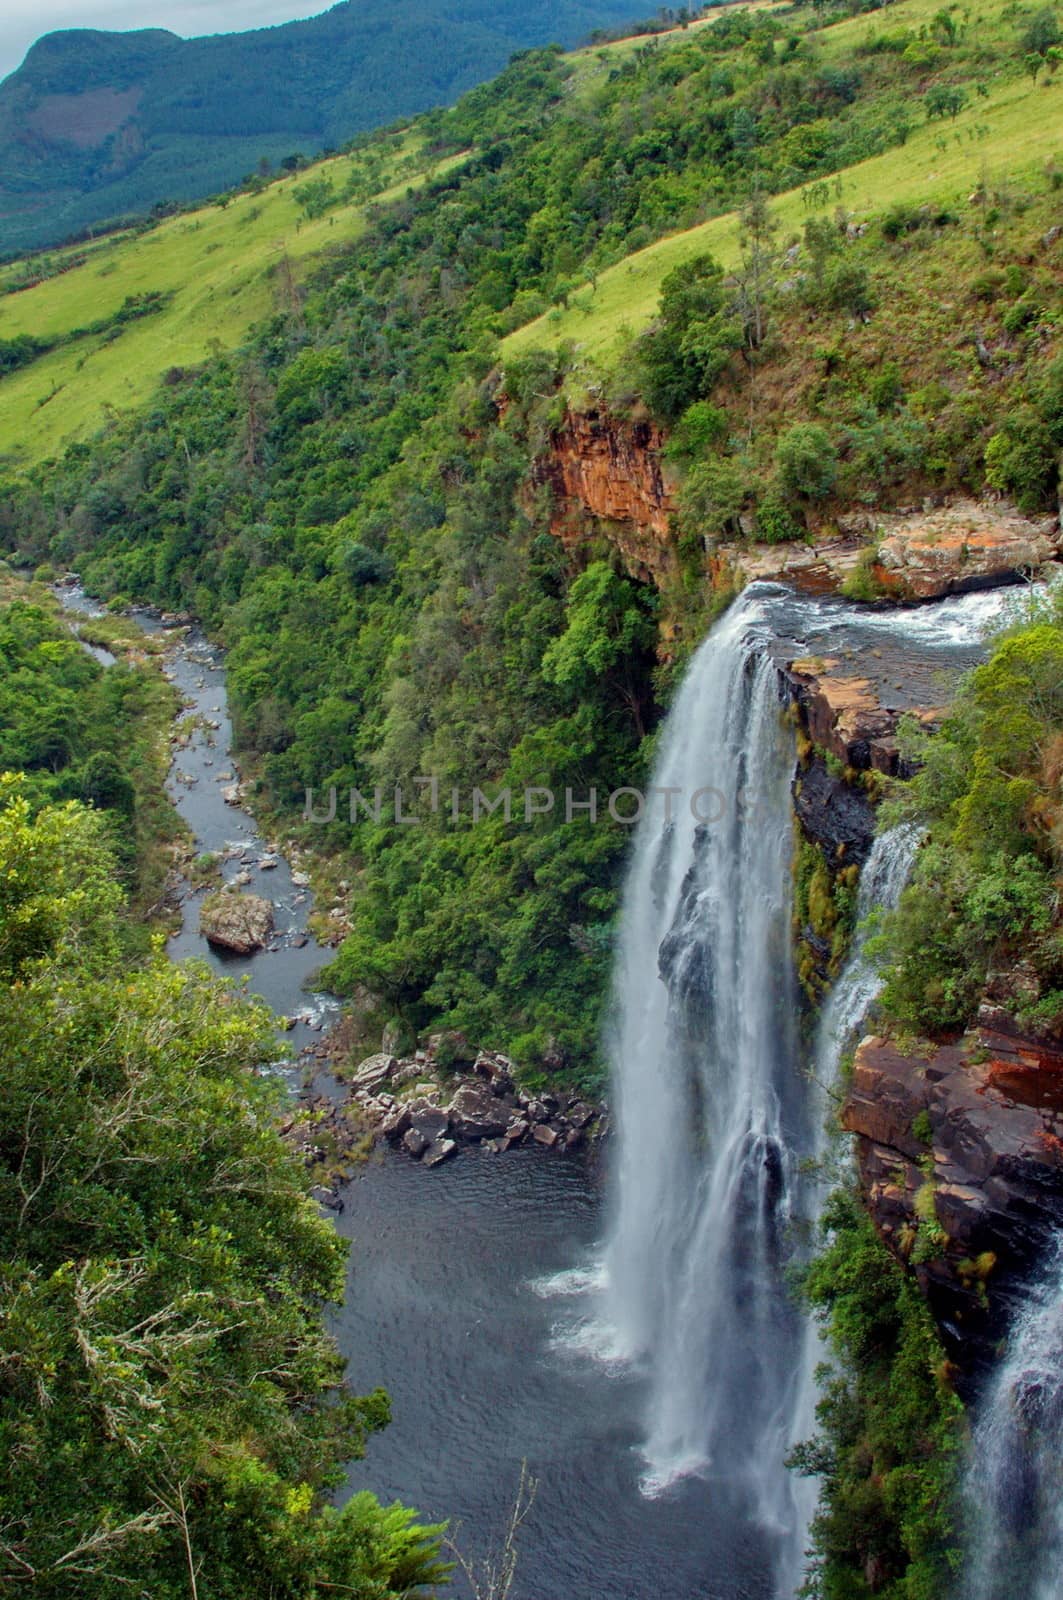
(1015,1480)
(717,1120)
(882,881)
(711,1105)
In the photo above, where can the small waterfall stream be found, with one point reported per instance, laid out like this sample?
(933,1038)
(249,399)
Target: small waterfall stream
(1014,1488)
(882,881)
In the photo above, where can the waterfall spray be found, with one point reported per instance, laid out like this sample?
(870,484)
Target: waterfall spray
(1014,1487)
(710,1098)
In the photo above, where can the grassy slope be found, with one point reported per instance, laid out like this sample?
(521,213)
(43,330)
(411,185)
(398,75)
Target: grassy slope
(221,267)
(1014,131)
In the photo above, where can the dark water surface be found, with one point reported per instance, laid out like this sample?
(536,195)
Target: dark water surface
(470,1290)
(460,1302)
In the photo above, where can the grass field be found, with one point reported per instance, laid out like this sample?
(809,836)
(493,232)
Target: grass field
(224,269)
(1009,134)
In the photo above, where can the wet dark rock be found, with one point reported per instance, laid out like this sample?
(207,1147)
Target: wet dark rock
(837,815)
(476,1112)
(977,1128)
(438,1152)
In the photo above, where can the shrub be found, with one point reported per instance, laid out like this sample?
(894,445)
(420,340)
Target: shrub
(847,287)
(1021,460)
(701,426)
(776,523)
(807,461)
(362,566)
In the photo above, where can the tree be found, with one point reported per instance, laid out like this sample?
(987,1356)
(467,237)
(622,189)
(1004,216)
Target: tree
(172,1415)
(1041,32)
(608,632)
(807,461)
(945,100)
(697,332)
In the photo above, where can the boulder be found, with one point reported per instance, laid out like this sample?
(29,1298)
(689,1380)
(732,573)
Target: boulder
(397,1121)
(238,922)
(477,1113)
(415,1142)
(373,1071)
(497,1069)
(543,1134)
(438,1151)
(429,1120)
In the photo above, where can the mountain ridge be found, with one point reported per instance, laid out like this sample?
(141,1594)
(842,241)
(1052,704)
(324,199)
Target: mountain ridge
(96,126)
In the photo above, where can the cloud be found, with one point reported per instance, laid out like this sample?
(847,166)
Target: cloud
(24,21)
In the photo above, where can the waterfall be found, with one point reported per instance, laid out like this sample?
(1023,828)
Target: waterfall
(882,880)
(711,1105)
(884,876)
(1014,1487)
(718,1118)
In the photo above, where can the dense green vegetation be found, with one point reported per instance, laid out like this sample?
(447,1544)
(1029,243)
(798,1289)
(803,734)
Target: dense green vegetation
(352,506)
(172,1414)
(984,896)
(96,126)
(78,732)
(888,1449)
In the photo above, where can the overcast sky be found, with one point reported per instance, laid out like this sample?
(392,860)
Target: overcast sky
(23,21)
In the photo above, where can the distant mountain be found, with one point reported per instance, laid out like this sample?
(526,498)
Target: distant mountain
(97,125)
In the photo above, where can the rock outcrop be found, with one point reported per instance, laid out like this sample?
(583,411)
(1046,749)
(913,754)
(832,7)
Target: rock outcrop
(430,1110)
(960,1156)
(837,815)
(962,547)
(608,470)
(609,477)
(854,715)
(241,923)
(919,555)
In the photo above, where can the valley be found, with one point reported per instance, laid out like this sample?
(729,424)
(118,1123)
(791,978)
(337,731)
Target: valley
(669,431)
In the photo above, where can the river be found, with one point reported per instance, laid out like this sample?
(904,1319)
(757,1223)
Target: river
(460,1288)
(472,1290)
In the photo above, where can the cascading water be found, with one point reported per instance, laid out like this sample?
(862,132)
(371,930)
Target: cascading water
(1015,1480)
(710,1099)
(882,880)
(716,1115)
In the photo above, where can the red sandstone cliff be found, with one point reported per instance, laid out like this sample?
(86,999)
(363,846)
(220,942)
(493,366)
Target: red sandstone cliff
(605,470)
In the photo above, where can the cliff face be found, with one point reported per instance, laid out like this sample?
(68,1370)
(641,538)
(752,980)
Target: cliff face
(960,1156)
(608,477)
(604,470)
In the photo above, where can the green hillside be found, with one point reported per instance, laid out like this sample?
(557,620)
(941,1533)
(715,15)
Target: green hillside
(819,247)
(216,271)
(95,126)
(1007,126)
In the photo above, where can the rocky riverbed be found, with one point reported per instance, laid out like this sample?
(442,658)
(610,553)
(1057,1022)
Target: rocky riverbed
(430,1105)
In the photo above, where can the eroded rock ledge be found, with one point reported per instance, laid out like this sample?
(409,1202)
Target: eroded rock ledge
(609,478)
(960,1156)
(609,470)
